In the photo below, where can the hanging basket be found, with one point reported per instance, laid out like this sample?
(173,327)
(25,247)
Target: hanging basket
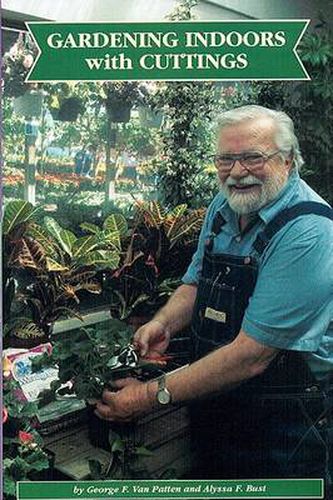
(29,104)
(150,118)
(69,110)
(119,111)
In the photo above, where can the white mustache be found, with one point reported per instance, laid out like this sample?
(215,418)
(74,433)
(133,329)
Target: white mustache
(245,181)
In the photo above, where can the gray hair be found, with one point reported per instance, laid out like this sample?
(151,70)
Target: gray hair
(285,137)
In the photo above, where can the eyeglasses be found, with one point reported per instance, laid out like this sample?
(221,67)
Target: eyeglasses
(252,161)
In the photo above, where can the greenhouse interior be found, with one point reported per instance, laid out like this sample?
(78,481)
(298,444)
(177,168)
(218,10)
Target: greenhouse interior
(106,186)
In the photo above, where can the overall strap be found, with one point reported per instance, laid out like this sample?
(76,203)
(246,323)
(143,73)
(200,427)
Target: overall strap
(218,223)
(285,216)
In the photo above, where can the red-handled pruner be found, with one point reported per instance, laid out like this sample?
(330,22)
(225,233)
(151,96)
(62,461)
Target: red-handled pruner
(163,358)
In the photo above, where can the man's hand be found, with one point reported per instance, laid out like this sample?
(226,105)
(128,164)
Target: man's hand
(152,339)
(128,402)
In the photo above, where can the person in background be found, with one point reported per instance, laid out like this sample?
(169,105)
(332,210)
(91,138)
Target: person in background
(88,161)
(78,161)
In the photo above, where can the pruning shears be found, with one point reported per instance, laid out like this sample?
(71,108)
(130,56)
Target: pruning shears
(129,358)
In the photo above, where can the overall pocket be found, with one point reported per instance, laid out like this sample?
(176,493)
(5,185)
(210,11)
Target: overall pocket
(216,313)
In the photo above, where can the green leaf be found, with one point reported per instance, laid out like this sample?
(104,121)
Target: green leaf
(100,259)
(52,265)
(143,451)
(9,485)
(84,245)
(95,468)
(68,239)
(90,228)
(39,234)
(116,222)
(18,212)
(110,239)
(118,445)
(37,460)
(63,237)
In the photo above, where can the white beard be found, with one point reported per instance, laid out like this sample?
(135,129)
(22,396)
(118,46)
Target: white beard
(246,203)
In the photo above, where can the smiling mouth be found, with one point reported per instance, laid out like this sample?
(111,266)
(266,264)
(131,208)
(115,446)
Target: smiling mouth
(243,187)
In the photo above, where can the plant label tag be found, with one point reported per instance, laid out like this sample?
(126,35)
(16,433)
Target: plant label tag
(219,316)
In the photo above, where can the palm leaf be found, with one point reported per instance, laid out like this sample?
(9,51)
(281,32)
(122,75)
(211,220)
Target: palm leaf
(18,212)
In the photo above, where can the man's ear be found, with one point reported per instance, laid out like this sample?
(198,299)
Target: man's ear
(289,162)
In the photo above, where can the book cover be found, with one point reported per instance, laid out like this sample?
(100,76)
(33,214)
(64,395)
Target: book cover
(167,229)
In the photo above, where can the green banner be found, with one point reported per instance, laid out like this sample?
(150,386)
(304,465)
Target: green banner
(214,50)
(173,489)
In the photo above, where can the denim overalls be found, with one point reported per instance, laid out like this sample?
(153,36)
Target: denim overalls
(278,424)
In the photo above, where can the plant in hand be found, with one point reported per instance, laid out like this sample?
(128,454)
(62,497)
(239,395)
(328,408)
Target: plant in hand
(85,359)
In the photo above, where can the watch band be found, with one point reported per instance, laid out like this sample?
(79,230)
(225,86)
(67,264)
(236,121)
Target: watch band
(163,395)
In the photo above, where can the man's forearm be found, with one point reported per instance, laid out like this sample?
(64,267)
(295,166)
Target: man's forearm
(221,370)
(177,313)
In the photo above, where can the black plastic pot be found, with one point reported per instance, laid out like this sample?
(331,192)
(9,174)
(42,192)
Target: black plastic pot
(70,109)
(119,111)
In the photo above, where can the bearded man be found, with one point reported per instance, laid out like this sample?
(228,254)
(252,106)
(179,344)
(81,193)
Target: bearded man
(259,297)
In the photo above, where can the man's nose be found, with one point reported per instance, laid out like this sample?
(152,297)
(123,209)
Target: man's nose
(238,170)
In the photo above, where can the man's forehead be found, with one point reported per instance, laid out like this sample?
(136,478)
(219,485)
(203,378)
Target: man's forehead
(251,131)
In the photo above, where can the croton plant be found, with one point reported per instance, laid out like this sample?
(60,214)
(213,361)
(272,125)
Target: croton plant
(46,267)
(156,253)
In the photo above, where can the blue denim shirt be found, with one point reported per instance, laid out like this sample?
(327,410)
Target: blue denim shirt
(292,304)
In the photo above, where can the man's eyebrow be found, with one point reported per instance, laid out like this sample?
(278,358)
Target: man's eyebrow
(248,151)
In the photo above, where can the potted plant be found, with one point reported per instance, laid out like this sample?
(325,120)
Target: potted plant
(18,330)
(17,63)
(47,267)
(155,256)
(89,359)
(23,450)
(119,98)
(64,102)
(70,109)
(63,265)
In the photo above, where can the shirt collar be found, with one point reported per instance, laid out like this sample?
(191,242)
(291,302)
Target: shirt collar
(268,212)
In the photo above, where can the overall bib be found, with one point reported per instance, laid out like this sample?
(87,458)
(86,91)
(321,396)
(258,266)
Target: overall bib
(278,424)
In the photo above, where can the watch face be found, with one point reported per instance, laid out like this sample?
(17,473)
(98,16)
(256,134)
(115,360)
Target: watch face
(164,397)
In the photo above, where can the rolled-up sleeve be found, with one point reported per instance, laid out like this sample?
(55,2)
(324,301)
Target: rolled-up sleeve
(292,304)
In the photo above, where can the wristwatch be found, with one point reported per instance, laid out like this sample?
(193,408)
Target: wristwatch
(163,396)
